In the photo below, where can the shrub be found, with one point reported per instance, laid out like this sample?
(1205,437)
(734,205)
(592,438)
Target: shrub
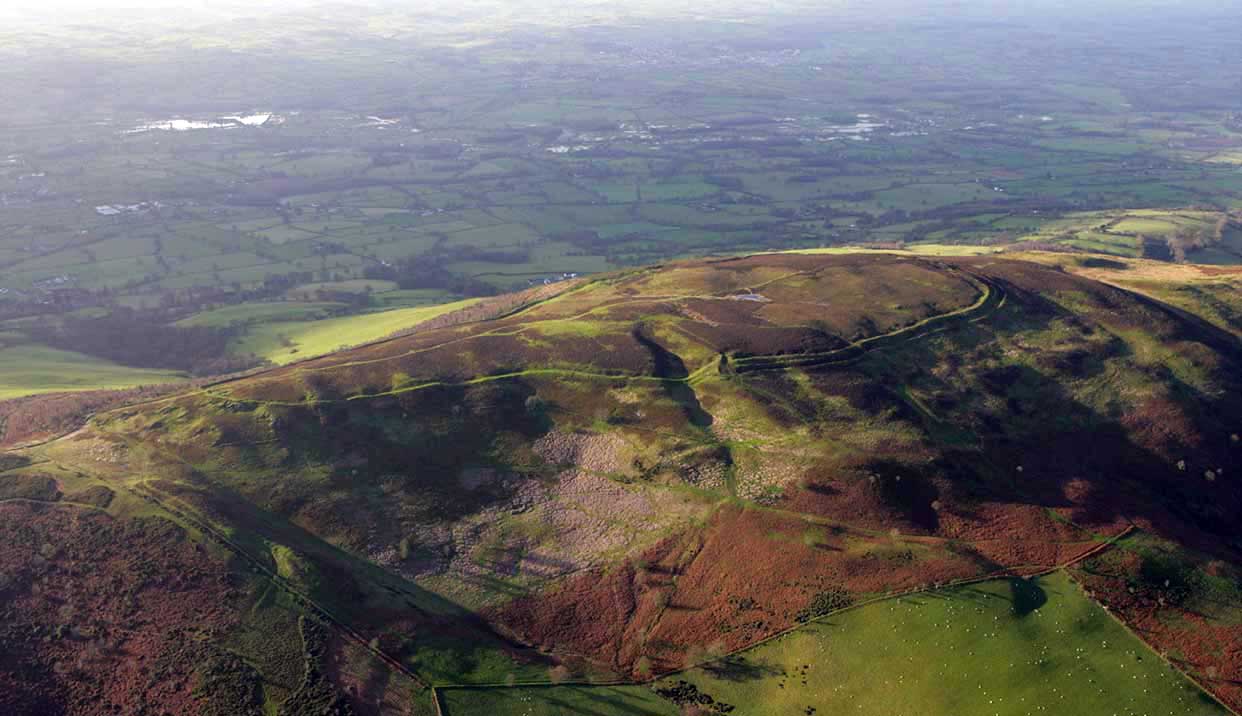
(1164,576)
(825,603)
(559,674)
(643,668)
(692,701)
(28,487)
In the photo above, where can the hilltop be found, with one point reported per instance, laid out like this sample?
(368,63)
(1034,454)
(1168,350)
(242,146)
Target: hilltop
(627,475)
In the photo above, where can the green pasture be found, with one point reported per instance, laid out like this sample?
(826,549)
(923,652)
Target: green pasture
(285,342)
(1007,646)
(32,370)
(691,188)
(618,192)
(376,286)
(413,298)
(1106,243)
(1092,145)
(929,195)
(551,700)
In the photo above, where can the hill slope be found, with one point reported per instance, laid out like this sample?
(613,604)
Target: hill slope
(659,465)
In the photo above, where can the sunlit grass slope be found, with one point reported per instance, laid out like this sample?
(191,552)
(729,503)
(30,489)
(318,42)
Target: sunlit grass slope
(287,341)
(1006,647)
(33,369)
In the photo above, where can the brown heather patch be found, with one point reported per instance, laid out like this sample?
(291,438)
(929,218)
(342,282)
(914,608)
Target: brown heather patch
(98,610)
(886,295)
(861,391)
(1219,270)
(40,417)
(687,592)
(1162,425)
(795,262)
(634,311)
(280,391)
(710,311)
(761,340)
(1022,535)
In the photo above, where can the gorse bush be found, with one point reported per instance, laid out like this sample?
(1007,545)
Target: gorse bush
(825,603)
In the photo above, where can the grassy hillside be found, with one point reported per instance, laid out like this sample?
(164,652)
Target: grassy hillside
(553,700)
(1003,647)
(276,332)
(564,489)
(1006,646)
(1207,292)
(33,369)
(285,341)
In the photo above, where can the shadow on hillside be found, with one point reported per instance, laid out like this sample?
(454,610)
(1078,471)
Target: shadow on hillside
(375,684)
(908,492)
(1026,595)
(492,585)
(739,668)
(1053,451)
(363,594)
(1038,444)
(666,364)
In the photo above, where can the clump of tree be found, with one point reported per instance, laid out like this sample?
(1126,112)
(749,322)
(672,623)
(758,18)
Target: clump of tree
(29,487)
(825,603)
(143,339)
(431,270)
(689,698)
(227,686)
(1188,240)
(1167,579)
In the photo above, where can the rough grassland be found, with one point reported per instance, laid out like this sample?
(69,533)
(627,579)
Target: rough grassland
(286,342)
(1000,647)
(917,249)
(556,701)
(33,370)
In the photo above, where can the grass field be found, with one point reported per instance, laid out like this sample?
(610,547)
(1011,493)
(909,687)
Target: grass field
(32,370)
(1000,647)
(1118,232)
(308,291)
(920,249)
(285,342)
(556,701)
